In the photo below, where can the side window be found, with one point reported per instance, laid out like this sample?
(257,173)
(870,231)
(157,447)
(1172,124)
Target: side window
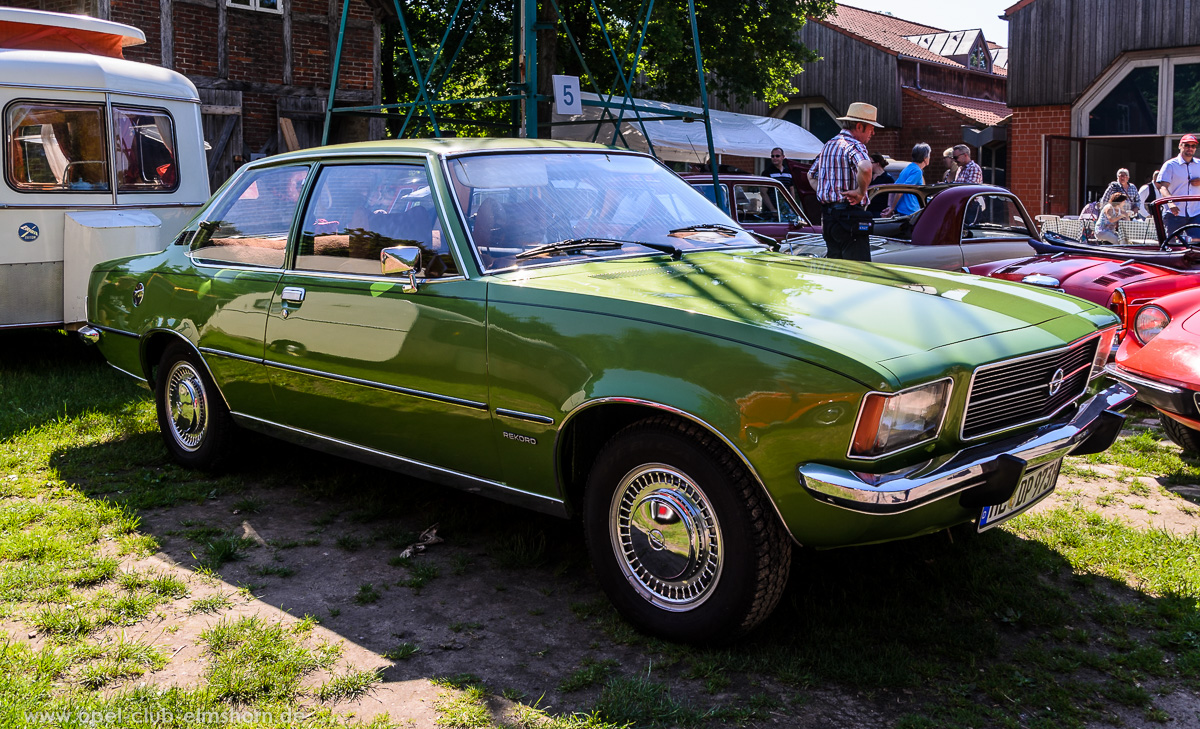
(355,211)
(250,225)
(756,203)
(56,148)
(994,216)
(144,140)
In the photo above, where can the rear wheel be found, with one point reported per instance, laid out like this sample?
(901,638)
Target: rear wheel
(1185,437)
(195,424)
(681,537)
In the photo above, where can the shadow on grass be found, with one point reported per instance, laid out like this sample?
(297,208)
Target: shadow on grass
(47,374)
(977,630)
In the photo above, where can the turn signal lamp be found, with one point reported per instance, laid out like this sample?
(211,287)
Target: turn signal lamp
(1104,349)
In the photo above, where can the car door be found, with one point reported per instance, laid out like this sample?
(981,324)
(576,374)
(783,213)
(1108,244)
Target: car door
(995,228)
(763,209)
(371,360)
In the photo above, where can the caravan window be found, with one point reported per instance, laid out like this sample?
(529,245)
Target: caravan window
(145,150)
(58,148)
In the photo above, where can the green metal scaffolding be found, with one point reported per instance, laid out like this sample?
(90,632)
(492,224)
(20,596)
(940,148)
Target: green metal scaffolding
(428,96)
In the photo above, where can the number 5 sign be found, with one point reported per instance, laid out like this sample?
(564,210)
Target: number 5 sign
(566,95)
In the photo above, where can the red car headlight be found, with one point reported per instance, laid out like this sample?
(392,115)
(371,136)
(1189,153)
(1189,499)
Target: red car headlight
(1149,323)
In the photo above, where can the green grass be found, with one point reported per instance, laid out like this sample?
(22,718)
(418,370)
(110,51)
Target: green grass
(251,659)
(1148,454)
(349,686)
(402,651)
(367,594)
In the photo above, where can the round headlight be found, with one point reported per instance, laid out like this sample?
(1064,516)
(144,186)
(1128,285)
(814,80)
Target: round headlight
(1149,323)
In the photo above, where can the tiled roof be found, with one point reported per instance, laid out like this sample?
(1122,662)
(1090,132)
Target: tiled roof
(886,32)
(983,111)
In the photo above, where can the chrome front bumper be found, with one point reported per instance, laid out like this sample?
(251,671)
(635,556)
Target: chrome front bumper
(981,475)
(1157,394)
(89,334)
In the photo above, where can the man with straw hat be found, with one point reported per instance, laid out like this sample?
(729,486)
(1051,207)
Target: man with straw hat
(840,175)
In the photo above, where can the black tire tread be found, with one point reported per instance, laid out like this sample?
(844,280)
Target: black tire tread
(1186,438)
(772,543)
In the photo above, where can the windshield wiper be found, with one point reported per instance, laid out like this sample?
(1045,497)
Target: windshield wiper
(579,244)
(571,244)
(722,228)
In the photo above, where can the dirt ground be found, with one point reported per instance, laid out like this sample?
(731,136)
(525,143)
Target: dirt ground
(520,631)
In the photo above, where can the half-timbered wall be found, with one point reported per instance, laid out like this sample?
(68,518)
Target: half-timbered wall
(1059,47)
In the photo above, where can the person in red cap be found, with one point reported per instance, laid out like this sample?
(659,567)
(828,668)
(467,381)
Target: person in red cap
(1181,176)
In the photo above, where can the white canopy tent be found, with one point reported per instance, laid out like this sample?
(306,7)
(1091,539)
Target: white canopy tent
(680,140)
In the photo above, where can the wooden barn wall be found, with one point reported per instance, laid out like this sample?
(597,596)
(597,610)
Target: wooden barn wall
(933,77)
(849,71)
(1057,48)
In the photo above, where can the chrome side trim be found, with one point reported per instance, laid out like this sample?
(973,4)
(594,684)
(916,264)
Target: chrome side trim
(141,380)
(674,411)
(1112,369)
(380,277)
(380,386)
(230,355)
(506,413)
(82,207)
(32,324)
(402,464)
(904,490)
(112,330)
(1004,363)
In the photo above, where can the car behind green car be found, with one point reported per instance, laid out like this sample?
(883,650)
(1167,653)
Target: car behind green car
(575,329)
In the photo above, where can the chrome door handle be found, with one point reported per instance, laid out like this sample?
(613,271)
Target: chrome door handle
(292,294)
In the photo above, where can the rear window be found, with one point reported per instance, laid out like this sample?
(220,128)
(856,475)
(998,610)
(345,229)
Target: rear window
(56,148)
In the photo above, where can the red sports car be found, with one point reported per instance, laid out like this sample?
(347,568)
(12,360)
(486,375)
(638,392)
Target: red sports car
(1161,359)
(1123,278)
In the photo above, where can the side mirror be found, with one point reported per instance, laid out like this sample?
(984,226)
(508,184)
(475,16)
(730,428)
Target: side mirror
(401,260)
(793,219)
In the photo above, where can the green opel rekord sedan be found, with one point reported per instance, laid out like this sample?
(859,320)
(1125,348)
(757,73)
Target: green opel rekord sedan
(574,329)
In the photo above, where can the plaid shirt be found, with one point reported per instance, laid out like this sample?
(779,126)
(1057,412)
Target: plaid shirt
(1130,191)
(970,173)
(836,168)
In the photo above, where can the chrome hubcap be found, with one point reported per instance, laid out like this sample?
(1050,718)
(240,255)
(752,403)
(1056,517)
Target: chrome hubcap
(666,537)
(187,406)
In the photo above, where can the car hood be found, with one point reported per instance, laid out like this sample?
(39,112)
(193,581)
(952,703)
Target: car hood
(1093,279)
(853,312)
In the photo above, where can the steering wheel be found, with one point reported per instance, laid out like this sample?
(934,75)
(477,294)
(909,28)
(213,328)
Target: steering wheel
(1166,244)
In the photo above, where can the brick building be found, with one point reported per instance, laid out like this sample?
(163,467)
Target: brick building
(930,85)
(1085,104)
(262,67)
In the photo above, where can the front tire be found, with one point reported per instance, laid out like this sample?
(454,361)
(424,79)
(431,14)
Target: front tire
(195,424)
(681,537)
(1186,438)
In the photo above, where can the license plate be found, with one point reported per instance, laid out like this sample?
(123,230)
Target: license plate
(1035,485)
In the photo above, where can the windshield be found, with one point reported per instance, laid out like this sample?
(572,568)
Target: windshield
(526,209)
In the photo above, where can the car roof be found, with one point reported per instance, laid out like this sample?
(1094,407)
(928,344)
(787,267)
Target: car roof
(442,147)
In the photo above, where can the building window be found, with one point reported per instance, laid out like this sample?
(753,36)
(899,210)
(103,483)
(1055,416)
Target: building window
(816,118)
(267,6)
(993,160)
(1185,102)
(1130,108)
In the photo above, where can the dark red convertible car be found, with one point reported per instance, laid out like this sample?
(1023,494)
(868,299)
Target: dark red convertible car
(1121,277)
(760,204)
(1160,358)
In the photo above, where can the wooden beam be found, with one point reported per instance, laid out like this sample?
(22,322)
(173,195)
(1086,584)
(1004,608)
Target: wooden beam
(222,39)
(287,132)
(286,7)
(218,110)
(166,30)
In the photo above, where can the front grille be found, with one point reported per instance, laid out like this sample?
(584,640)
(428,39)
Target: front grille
(1008,394)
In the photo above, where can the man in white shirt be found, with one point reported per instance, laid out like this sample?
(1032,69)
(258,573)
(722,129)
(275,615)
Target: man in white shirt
(1181,176)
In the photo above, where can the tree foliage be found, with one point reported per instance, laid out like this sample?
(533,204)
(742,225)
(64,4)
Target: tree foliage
(750,50)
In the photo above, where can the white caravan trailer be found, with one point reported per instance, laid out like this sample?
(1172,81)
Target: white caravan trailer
(103,157)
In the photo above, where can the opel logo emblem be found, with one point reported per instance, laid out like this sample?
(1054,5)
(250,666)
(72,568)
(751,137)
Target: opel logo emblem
(1056,381)
(656,540)
(139,292)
